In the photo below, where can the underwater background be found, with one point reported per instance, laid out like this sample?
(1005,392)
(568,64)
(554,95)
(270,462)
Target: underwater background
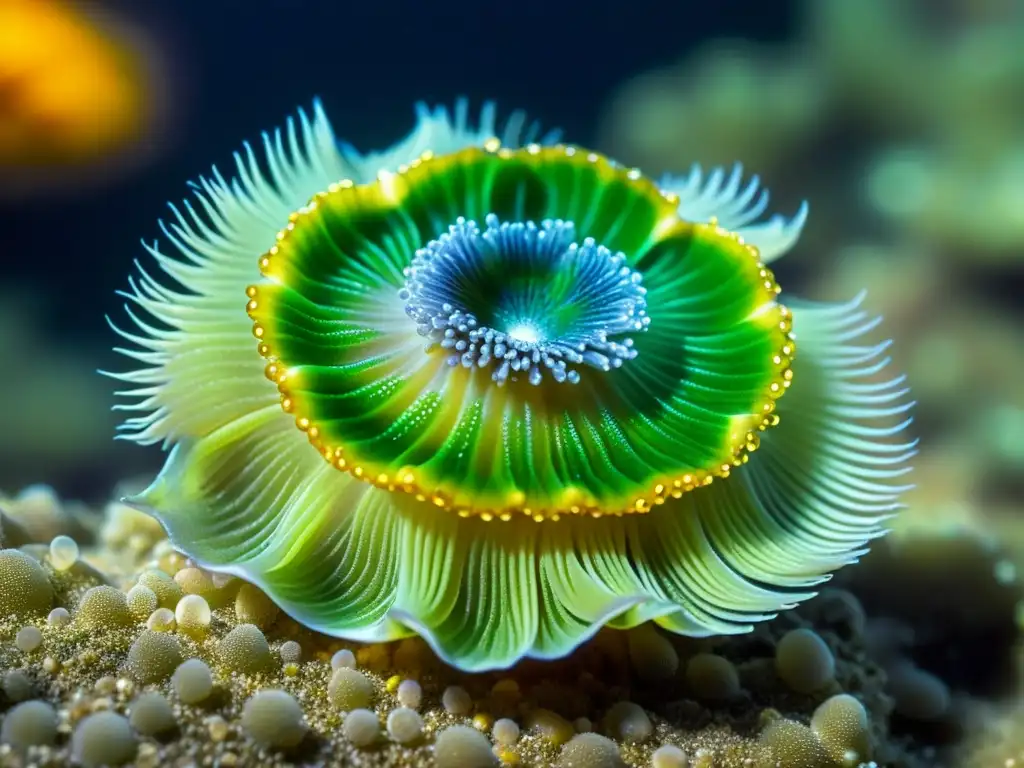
(901,122)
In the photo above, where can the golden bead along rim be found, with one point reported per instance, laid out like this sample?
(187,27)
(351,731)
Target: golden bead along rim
(745,439)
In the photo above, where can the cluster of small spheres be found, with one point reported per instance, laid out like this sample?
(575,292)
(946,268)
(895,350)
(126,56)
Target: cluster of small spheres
(171,617)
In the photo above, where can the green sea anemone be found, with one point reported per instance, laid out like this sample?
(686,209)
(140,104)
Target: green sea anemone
(503,392)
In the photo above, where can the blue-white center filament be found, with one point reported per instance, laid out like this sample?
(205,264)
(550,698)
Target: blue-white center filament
(525,299)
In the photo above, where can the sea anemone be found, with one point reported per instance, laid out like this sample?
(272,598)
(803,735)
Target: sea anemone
(503,392)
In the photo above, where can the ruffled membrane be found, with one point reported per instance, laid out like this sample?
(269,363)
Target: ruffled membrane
(244,492)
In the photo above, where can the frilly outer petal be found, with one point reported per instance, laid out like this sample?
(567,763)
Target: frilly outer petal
(739,205)
(441,131)
(352,560)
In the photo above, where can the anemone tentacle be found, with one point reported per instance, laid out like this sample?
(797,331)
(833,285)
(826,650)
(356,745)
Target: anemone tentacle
(353,356)
(200,373)
(440,131)
(738,205)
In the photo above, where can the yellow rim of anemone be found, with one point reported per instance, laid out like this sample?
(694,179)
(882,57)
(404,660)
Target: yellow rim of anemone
(388,192)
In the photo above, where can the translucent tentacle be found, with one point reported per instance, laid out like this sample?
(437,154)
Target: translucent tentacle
(738,206)
(200,369)
(442,131)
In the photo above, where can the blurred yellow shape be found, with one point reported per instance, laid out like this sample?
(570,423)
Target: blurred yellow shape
(69,89)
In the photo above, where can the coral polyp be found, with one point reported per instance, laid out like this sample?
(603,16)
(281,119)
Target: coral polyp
(503,393)
(707,346)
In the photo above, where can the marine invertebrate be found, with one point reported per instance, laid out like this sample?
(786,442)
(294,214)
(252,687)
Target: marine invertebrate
(505,393)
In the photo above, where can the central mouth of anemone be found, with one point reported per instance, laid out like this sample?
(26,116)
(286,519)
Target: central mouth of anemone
(525,299)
